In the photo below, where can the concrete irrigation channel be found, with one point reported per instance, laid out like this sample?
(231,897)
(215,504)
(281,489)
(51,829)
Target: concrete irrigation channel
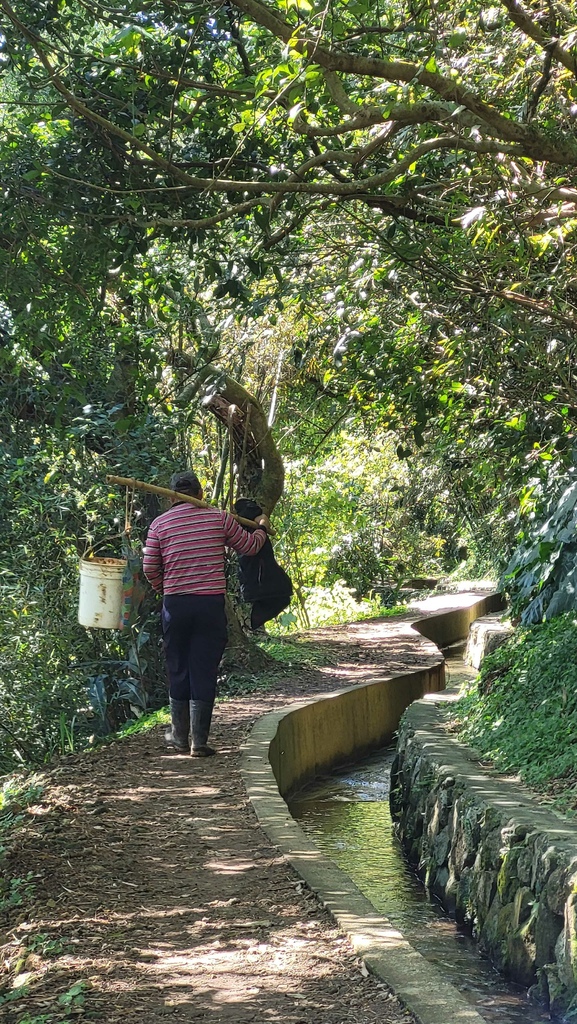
(289,748)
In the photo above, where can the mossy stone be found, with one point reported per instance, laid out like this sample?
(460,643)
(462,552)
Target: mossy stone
(522,906)
(508,878)
(547,928)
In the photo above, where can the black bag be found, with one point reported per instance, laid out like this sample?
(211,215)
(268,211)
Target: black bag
(263,582)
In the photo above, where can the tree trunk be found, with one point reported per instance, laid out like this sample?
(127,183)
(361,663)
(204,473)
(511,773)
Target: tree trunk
(260,475)
(256,454)
(242,655)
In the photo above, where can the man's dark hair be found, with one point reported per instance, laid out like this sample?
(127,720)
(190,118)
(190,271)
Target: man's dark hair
(186,482)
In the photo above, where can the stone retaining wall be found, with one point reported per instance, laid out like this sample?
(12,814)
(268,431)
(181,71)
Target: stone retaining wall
(502,864)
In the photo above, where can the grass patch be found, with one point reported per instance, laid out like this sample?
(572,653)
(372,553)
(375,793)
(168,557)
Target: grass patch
(242,684)
(294,652)
(521,712)
(396,609)
(145,723)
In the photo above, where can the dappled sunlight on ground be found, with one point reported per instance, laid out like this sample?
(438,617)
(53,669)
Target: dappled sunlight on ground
(157,892)
(164,897)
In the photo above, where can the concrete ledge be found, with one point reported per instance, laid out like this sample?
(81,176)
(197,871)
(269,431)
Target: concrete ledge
(289,747)
(342,727)
(451,626)
(485,636)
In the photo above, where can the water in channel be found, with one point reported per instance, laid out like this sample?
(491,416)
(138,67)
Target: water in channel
(347,815)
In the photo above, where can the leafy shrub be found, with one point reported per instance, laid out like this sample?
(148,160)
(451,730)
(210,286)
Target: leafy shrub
(541,577)
(360,560)
(522,711)
(328,606)
(59,683)
(365,563)
(359,514)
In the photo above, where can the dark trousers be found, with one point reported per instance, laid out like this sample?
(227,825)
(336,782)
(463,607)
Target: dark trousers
(194,628)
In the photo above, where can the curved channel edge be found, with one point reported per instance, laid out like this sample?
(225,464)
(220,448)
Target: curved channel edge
(290,746)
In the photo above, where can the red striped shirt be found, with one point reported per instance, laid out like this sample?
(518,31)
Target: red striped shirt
(184,551)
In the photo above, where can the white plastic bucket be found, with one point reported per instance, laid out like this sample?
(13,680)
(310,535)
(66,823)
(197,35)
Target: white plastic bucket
(101,589)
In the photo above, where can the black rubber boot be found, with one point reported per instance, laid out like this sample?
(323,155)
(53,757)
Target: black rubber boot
(200,719)
(177,735)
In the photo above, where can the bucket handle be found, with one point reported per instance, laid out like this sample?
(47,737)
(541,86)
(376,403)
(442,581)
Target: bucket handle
(89,553)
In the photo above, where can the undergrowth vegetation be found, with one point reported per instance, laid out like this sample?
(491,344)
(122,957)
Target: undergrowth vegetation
(521,712)
(541,575)
(16,795)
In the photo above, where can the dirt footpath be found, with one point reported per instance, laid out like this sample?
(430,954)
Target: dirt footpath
(158,894)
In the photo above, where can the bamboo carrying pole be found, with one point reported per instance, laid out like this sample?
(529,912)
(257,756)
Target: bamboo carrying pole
(139,485)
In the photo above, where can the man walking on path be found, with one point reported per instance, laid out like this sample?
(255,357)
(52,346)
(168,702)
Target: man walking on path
(184,561)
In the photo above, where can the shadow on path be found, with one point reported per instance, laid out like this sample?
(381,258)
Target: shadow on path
(158,894)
